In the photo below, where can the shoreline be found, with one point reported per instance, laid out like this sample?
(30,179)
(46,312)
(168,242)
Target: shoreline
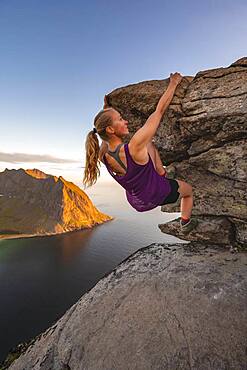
(22,236)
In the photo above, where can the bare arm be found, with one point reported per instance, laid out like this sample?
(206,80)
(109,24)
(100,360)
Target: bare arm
(156,158)
(147,131)
(166,98)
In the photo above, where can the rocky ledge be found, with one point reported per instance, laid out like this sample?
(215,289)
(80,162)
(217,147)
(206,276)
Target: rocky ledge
(202,140)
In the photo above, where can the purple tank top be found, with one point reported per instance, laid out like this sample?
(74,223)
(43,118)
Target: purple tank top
(145,189)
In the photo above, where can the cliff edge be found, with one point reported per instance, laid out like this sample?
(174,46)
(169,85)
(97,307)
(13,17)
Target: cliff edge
(202,140)
(165,307)
(173,306)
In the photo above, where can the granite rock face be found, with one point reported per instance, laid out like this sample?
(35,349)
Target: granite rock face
(202,136)
(165,307)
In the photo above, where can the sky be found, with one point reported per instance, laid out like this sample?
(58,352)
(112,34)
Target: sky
(59,58)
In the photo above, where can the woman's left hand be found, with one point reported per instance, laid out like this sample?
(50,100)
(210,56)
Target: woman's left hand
(106,105)
(164,174)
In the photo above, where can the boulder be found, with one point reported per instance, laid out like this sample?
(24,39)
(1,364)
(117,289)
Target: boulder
(202,136)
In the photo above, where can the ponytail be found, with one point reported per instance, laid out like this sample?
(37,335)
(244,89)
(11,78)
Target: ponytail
(91,172)
(92,147)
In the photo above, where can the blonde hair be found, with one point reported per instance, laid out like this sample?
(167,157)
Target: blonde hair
(102,120)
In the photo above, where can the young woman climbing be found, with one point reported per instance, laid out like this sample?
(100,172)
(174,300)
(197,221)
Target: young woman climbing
(136,165)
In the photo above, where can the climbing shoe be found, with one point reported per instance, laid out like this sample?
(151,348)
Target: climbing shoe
(189,226)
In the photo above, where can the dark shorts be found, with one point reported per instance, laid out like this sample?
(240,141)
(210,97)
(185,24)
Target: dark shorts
(174,194)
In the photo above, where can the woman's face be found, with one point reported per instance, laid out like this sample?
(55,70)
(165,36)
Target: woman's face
(119,124)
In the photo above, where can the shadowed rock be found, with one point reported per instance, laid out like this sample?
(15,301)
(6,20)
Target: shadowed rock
(208,229)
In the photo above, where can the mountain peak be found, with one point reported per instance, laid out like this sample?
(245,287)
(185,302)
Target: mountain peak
(35,203)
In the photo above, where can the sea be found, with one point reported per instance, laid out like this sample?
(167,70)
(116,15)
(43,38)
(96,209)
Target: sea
(42,277)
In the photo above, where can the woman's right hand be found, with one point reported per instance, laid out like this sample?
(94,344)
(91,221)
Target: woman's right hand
(176,78)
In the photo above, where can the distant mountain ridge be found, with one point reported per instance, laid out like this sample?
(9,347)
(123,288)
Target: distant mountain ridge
(35,203)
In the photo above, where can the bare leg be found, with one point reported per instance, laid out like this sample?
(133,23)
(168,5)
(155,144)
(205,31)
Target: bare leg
(186,206)
(186,194)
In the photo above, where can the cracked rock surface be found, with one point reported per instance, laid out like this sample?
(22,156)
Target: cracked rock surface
(202,137)
(164,307)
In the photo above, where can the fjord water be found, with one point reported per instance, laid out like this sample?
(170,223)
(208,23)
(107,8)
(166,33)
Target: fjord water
(41,277)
